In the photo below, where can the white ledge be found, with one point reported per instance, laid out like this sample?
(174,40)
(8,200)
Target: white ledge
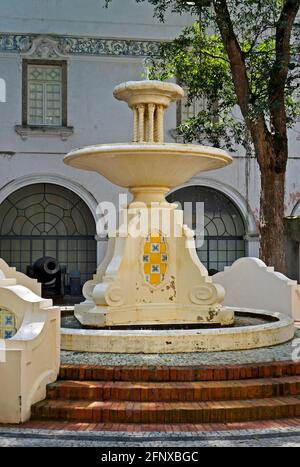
(62,131)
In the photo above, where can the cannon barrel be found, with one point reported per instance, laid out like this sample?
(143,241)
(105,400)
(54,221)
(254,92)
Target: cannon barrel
(46,269)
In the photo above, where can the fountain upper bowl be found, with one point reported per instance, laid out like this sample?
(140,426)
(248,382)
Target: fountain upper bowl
(148,92)
(144,164)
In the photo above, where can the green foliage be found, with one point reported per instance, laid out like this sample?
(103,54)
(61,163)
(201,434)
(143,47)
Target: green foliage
(204,75)
(198,60)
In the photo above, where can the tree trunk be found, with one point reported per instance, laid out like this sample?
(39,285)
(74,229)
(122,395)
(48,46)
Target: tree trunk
(272,235)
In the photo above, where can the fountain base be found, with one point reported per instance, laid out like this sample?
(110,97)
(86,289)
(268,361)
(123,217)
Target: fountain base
(151,314)
(152,275)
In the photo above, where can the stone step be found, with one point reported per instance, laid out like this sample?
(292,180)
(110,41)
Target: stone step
(167,412)
(171,391)
(164,373)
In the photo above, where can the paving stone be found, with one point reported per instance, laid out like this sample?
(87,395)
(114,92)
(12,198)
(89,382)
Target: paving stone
(16,437)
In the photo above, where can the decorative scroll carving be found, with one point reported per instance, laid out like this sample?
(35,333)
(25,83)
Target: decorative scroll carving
(114,296)
(87,290)
(206,294)
(44,47)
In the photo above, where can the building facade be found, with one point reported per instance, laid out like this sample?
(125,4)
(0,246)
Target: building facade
(59,62)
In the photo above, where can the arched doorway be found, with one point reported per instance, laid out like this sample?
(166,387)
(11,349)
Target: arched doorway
(45,219)
(224,228)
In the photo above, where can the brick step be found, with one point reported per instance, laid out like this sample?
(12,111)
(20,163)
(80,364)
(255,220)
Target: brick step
(171,391)
(198,373)
(167,412)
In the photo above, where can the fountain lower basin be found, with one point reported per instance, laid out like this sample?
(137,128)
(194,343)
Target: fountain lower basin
(148,165)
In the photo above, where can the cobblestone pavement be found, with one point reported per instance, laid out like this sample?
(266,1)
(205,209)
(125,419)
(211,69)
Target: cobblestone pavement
(266,354)
(284,437)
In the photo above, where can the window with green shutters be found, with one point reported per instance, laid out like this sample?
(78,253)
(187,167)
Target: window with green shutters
(44,100)
(44,96)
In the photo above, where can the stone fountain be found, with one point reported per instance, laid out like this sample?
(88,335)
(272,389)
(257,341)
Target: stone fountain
(154,277)
(151,276)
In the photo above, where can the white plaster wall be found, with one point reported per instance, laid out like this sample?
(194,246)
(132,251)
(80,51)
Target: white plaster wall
(124,18)
(249,283)
(96,116)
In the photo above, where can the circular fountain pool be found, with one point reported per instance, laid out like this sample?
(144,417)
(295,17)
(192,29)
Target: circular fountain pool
(252,329)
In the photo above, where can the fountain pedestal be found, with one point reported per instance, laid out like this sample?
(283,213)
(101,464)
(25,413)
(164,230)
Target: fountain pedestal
(153,277)
(151,273)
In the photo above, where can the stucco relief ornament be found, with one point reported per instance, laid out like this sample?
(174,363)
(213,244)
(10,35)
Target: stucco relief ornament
(44,47)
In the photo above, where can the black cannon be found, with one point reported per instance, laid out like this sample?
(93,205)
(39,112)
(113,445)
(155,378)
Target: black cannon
(48,271)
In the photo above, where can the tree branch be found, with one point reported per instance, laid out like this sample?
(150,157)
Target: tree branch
(258,128)
(235,55)
(280,69)
(284,27)
(218,57)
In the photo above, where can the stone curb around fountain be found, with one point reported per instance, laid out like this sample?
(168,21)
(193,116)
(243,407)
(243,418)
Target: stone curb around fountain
(182,341)
(280,353)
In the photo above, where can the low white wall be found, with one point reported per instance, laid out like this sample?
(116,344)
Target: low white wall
(30,359)
(11,273)
(249,283)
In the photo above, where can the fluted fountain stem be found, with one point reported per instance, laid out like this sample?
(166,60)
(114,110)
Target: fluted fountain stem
(159,137)
(151,110)
(141,123)
(135,125)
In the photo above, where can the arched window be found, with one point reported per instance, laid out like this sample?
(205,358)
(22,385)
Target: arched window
(224,228)
(48,220)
